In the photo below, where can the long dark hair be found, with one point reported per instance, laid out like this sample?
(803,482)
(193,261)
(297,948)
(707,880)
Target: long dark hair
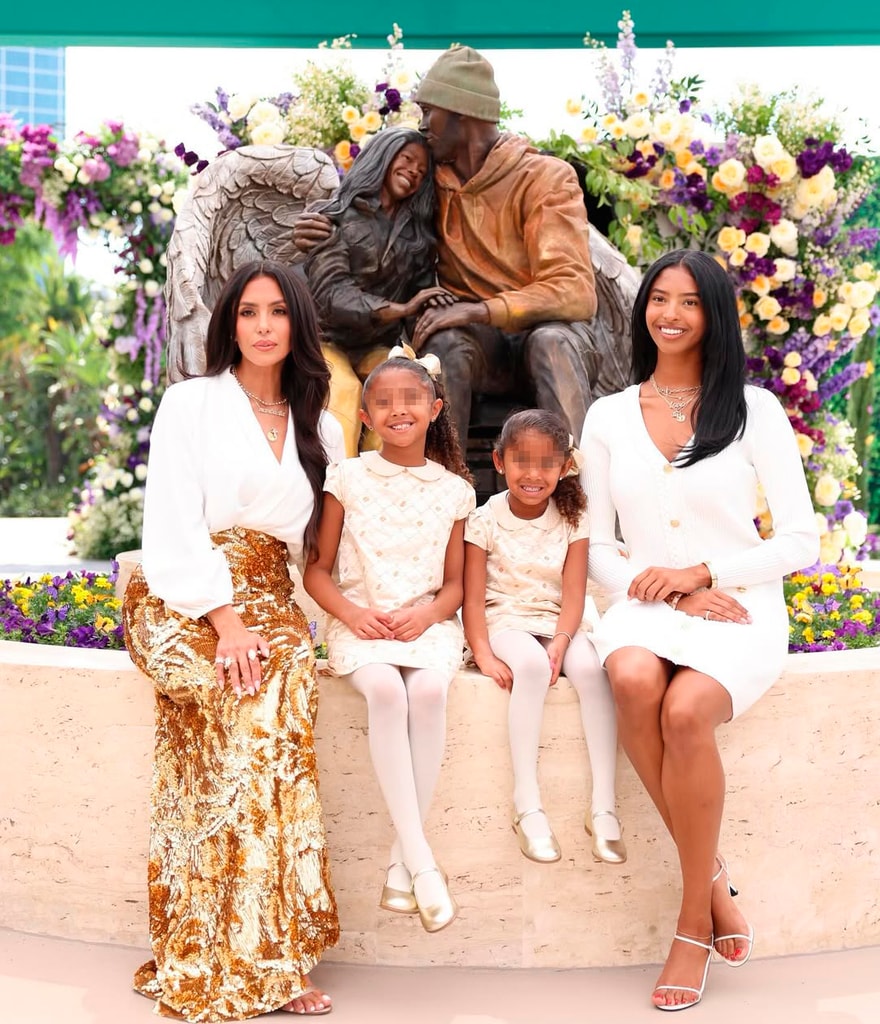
(720,410)
(305,376)
(367,176)
(441,442)
(569,495)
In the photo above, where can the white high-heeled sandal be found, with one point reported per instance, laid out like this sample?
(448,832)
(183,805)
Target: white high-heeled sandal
(709,947)
(750,938)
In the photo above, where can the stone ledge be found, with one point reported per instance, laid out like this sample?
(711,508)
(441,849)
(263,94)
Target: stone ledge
(802,823)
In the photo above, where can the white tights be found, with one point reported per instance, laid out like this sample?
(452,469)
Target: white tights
(527,657)
(407,731)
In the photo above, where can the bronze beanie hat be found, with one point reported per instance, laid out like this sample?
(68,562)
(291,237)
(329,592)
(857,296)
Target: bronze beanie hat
(461,80)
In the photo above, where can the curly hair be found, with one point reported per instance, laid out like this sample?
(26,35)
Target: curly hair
(441,441)
(305,376)
(568,494)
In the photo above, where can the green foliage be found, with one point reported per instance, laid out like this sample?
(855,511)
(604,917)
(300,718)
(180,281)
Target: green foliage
(51,368)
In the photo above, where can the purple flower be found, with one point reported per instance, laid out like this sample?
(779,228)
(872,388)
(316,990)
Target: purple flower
(684,106)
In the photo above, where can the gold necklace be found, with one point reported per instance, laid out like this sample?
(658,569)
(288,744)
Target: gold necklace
(263,407)
(678,399)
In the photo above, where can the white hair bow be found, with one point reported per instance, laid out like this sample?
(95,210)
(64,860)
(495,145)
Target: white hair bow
(576,456)
(430,362)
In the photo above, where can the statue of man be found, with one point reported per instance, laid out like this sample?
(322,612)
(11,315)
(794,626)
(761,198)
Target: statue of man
(513,248)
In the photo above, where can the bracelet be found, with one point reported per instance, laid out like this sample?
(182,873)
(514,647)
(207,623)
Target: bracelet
(713,576)
(562,633)
(673,599)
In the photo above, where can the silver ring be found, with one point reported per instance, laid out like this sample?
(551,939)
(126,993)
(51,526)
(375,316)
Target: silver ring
(227,661)
(252,655)
(218,661)
(708,613)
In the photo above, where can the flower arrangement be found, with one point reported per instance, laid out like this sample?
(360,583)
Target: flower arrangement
(768,188)
(829,610)
(120,185)
(76,610)
(330,109)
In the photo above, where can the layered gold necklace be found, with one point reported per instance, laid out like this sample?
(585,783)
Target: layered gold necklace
(678,399)
(267,408)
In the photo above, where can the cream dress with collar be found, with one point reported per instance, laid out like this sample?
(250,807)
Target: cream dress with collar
(392,552)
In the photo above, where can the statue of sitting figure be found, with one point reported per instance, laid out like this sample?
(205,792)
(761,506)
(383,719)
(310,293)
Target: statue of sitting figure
(514,251)
(377,270)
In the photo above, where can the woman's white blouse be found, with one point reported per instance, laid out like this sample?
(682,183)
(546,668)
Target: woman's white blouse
(211,468)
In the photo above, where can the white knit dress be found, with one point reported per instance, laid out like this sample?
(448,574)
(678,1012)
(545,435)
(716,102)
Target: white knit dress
(678,517)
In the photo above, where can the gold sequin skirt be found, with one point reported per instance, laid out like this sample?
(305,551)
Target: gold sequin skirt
(241,906)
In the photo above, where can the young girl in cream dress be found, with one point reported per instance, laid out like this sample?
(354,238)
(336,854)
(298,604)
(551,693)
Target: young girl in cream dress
(389,575)
(525,581)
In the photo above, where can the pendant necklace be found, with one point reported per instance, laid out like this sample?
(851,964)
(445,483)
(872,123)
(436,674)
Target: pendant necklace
(264,407)
(678,399)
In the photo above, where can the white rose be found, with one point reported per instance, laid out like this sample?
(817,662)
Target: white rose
(784,236)
(269,133)
(169,187)
(637,126)
(163,260)
(812,191)
(66,168)
(856,525)
(766,149)
(146,384)
(140,471)
(136,207)
(127,391)
(151,289)
(262,112)
(145,404)
(155,190)
(126,479)
(862,294)
(239,106)
(667,127)
(145,266)
(785,270)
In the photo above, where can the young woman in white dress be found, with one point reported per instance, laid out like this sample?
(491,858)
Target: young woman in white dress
(697,629)
(524,596)
(389,575)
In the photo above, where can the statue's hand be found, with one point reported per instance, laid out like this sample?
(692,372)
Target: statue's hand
(440,318)
(310,230)
(428,297)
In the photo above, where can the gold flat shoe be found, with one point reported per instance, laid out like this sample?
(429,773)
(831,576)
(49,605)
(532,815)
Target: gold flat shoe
(398,901)
(438,915)
(609,851)
(542,849)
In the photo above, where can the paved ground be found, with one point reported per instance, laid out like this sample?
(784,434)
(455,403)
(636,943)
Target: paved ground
(34,546)
(51,981)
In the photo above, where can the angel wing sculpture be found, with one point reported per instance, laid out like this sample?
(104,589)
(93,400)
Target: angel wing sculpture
(242,208)
(616,286)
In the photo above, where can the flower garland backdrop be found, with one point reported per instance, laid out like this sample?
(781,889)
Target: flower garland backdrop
(766,185)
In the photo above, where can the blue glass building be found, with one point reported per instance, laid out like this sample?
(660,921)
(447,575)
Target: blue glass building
(32,85)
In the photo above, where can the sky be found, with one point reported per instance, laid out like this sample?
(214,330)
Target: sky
(152,89)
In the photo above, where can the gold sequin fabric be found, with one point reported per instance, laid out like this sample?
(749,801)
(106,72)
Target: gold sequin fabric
(241,906)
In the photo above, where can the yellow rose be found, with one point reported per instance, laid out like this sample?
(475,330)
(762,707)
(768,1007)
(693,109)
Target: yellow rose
(350,115)
(745,319)
(342,151)
(859,323)
(695,168)
(805,446)
(617,132)
(667,179)
(839,315)
(357,131)
(667,127)
(758,243)
(637,126)
(767,307)
(640,99)
(574,107)
(372,121)
(809,380)
(784,167)
(634,237)
(827,490)
(792,359)
(401,80)
(790,376)
(239,105)
(845,291)
(609,120)
(737,258)
(646,148)
(820,297)
(811,192)
(730,238)
(784,236)
(732,173)
(785,270)
(822,325)
(864,272)
(766,149)
(589,133)
(778,326)
(863,293)
(760,285)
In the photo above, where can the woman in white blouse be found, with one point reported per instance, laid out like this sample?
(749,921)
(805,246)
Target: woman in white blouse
(240,902)
(697,629)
